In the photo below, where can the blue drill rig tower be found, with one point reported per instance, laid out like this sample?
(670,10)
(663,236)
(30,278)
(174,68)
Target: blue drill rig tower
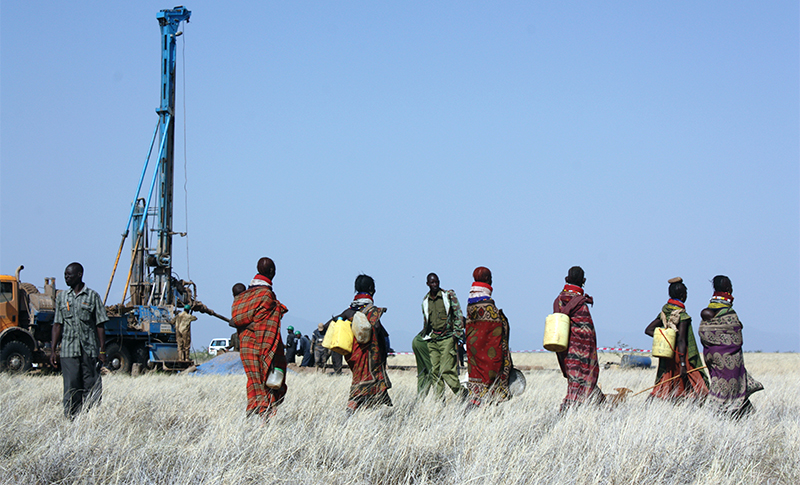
(141,329)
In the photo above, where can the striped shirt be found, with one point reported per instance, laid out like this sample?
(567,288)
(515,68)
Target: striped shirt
(80,315)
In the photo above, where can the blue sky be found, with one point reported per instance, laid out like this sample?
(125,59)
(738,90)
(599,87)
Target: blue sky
(640,140)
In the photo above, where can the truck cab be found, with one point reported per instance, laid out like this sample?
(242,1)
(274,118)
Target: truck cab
(26,319)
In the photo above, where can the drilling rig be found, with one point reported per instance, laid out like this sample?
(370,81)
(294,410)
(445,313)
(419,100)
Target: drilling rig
(141,329)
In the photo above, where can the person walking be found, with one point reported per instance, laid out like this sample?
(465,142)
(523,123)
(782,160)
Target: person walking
(320,352)
(578,363)
(291,345)
(488,356)
(78,327)
(721,335)
(442,326)
(304,349)
(367,361)
(256,313)
(692,383)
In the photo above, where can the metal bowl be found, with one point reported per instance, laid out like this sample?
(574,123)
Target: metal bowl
(516,382)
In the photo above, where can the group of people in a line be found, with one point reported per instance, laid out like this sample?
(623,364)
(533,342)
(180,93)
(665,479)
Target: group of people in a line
(256,315)
(485,331)
(684,376)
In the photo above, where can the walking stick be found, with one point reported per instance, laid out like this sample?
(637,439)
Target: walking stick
(670,379)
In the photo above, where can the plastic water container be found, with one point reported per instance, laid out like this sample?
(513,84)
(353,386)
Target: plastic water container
(362,330)
(275,378)
(556,332)
(664,342)
(339,337)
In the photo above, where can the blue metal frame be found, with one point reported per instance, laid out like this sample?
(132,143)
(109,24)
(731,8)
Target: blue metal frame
(170,21)
(156,321)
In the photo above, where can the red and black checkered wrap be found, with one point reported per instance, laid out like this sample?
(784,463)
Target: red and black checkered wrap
(368,364)
(257,314)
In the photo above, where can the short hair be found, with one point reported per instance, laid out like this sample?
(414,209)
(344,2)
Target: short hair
(77,266)
(265,266)
(677,291)
(575,276)
(365,284)
(482,274)
(238,288)
(722,283)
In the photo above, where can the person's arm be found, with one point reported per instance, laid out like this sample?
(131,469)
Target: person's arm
(55,339)
(55,332)
(457,315)
(683,327)
(101,317)
(651,329)
(560,356)
(101,337)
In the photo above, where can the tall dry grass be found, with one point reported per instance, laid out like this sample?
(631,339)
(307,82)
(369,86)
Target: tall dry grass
(161,429)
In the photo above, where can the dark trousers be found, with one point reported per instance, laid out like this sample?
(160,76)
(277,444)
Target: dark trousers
(336,360)
(422,355)
(321,357)
(82,383)
(308,359)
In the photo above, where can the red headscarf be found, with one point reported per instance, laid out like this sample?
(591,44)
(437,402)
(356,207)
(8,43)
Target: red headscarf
(482,274)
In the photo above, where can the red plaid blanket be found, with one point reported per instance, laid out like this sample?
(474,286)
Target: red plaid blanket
(256,313)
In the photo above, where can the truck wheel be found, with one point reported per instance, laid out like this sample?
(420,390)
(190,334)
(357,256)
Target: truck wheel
(16,357)
(118,359)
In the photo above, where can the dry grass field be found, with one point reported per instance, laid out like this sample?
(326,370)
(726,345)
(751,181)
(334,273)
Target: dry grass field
(164,429)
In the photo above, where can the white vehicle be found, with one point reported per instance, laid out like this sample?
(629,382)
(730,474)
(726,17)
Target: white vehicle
(218,344)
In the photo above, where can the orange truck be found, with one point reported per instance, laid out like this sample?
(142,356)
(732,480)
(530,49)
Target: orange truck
(26,321)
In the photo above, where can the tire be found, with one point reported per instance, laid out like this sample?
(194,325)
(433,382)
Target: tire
(118,359)
(16,357)
(140,354)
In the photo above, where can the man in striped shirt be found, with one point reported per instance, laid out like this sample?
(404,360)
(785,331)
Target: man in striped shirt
(78,327)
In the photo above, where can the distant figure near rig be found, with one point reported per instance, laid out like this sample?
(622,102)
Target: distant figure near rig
(692,383)
(256,314)
(183,331)
(721,336)
(579,362)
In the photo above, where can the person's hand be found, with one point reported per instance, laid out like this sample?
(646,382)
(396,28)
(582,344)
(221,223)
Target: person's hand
(684,373)
(103,357)
(54,358)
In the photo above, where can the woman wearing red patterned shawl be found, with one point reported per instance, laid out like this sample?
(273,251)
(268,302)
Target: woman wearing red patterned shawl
(488,356)
(721,335)
(367,361)
(256,315)
(673,315)
(579,362)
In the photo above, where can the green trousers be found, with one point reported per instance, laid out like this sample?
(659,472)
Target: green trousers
(420,349)
(444,365)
